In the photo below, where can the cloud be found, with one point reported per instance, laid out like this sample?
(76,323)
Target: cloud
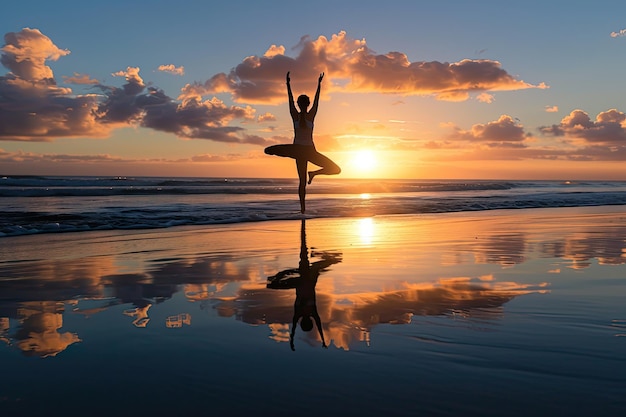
(80,79)
(602,139)
(20,157)
(266,117)
(36,109)
(30,157)
(485,98)
(352,67)
(214,158)
(608,128)
(504,132)
(172,69)
(619,34)
(552,109)
(25,54)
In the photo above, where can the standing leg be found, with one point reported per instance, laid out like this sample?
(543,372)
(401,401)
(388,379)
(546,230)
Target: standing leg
(301,164)
(328,166)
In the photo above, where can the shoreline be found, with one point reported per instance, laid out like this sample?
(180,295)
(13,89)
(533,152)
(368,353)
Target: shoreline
(578,210)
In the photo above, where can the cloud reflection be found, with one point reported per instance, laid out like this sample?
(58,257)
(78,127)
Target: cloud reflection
(34,294)
(38,332)
(350,317)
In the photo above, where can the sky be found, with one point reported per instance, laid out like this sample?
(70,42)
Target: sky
(412,89)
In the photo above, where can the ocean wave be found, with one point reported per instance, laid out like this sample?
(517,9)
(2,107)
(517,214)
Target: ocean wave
(36,186)
(72,214)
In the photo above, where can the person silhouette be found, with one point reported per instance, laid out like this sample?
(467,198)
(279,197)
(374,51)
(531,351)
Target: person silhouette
(303,149)
(304,279)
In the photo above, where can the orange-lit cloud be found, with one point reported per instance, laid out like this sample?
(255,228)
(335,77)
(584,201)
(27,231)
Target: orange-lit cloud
(26,53)
(215,158)
(485,98)
(552,109)
(266,117)
(353,67)
(21,157)
(172,69)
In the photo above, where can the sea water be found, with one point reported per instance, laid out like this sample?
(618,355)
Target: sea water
(33,204)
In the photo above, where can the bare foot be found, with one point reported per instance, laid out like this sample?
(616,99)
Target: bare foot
(311,176)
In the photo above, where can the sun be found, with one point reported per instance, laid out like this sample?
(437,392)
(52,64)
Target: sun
(363,161)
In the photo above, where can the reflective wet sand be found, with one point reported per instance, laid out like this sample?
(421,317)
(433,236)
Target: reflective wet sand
(495,313)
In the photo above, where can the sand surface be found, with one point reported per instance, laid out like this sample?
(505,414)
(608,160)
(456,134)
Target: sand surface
(442,314)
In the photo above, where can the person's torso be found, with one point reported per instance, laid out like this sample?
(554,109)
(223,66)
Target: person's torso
(303,134)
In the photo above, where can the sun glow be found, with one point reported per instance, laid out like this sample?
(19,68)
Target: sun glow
(363,162)
(366,230)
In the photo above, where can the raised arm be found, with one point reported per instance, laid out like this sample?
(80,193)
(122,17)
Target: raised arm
(313,111)
(292,107)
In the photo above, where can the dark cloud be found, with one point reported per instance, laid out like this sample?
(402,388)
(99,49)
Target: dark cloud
(602,139)
(34,108)
(609,127)
(504,132)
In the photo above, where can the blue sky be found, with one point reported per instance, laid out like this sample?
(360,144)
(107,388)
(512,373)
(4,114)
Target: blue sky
(562,66)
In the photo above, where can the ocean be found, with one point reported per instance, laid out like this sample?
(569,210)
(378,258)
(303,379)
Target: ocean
(55,204)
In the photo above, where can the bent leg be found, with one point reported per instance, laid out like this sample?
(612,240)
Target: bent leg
(328,167)
(285,150)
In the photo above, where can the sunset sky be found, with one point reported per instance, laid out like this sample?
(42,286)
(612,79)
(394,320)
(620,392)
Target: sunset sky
(413,89)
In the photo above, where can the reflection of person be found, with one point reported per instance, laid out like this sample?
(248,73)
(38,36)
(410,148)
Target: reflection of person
(303,149)
(304,279)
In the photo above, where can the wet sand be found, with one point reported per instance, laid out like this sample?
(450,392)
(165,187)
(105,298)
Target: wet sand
(497,313)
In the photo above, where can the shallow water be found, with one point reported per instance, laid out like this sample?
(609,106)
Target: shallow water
(490,314)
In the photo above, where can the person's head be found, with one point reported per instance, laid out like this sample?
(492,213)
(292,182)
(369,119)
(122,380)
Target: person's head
(306,324)
(303,102)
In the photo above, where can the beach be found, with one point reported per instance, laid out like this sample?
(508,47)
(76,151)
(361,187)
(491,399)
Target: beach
(486,313)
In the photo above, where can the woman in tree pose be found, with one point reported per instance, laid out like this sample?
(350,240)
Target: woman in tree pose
(303,149)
